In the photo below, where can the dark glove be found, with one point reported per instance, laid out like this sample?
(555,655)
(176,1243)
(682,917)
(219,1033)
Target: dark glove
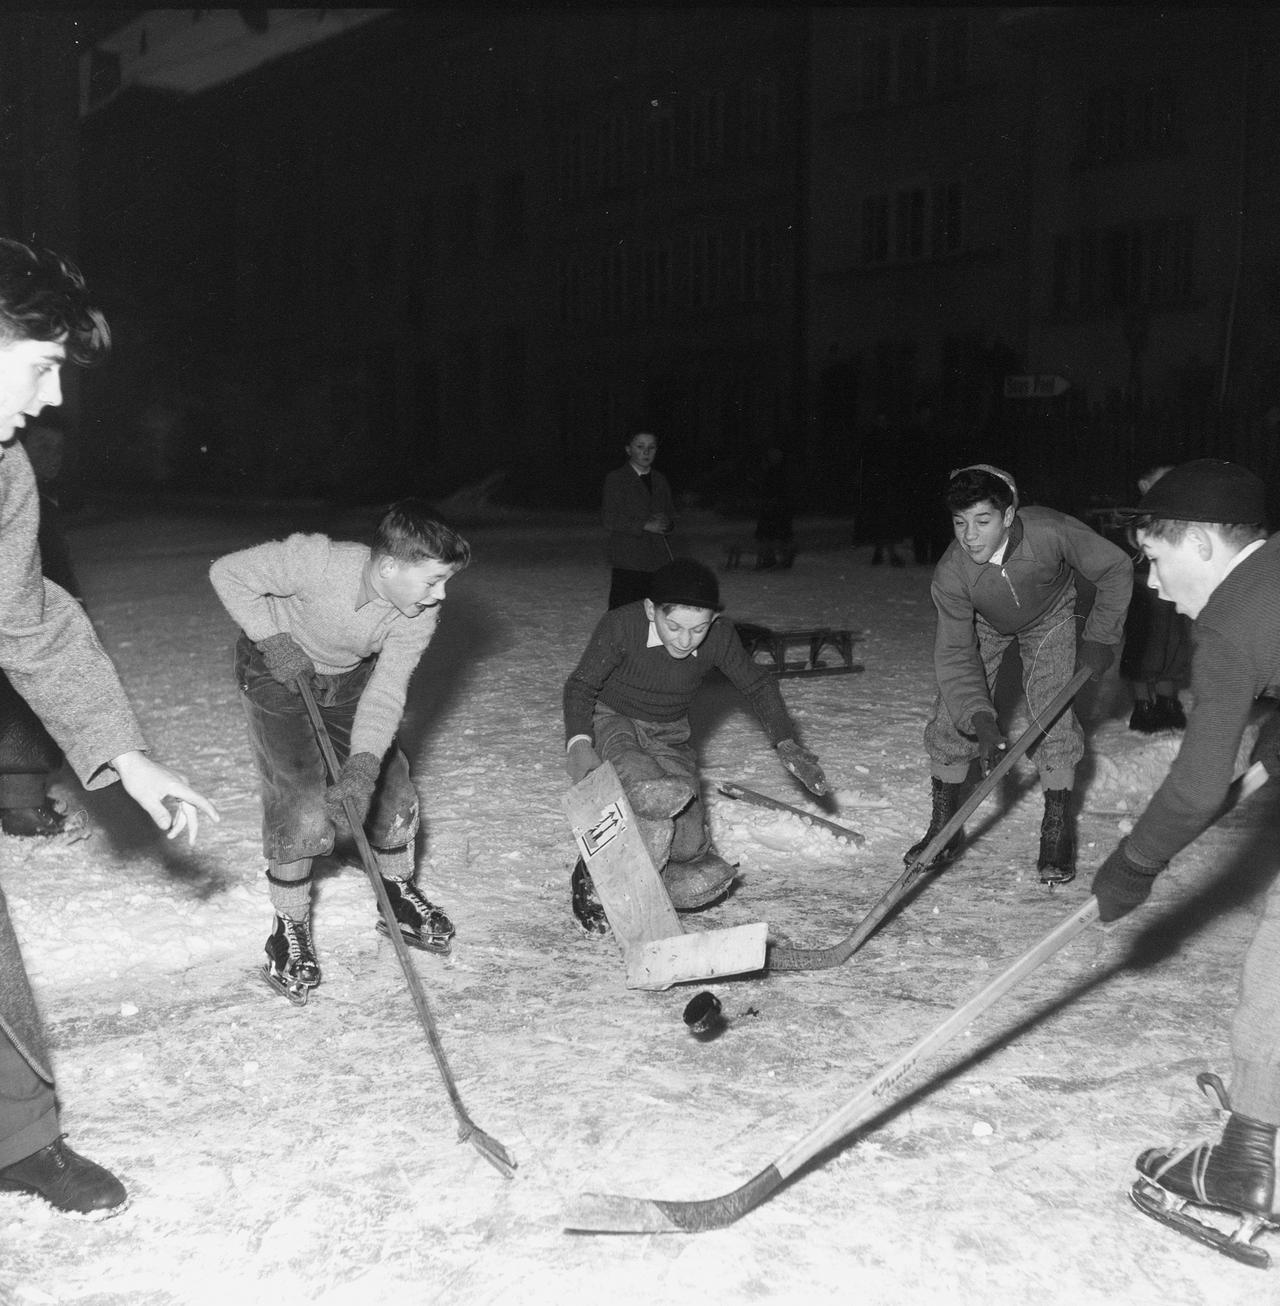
(356,783)
(1097,657)
(1122,883)
(991,743)
(1267,748)
(803,765)
(286,662)
(581,760)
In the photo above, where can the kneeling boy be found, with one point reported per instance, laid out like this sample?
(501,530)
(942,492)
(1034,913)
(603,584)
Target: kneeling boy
(627,702)
(353,621)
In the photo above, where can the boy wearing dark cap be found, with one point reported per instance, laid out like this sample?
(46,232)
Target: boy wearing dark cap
(627,702)
(1009,575)
(1201,527)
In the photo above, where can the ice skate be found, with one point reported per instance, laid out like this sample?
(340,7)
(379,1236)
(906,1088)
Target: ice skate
(698,883)
(1057,860)
(291,967)
(1236,1175)
(587,908)
(946,802)
(422,924)
(50,820)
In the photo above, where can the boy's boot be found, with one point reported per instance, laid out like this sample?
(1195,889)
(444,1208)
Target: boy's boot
(67,1181)
(588,910)
(1237,1173)
(698,883)
(1144,718)
(946,802)
(422,924)
(1057,861)
(291,967)
(1170,713)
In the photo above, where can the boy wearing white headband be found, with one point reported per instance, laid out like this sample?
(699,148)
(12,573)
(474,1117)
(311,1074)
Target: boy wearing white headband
(1010,575)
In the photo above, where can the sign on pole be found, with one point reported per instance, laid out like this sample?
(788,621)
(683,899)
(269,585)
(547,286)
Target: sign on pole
(1040,385)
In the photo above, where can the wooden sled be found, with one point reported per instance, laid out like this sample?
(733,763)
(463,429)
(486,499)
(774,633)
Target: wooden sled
(773,644)
(656,950)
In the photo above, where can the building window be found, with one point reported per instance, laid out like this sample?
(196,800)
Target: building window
(914,223)
(1133,120)
(1104,268)
(875,229)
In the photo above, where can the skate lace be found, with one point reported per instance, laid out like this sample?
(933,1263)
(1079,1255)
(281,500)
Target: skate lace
(298,936)
(409,892)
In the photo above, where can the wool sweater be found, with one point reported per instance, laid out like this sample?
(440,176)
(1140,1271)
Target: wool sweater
(1235,659)
(648,684)
(625,507)
(316,589)
(1044,550)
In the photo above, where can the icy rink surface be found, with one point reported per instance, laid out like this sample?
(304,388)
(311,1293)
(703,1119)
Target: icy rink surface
(286,1155)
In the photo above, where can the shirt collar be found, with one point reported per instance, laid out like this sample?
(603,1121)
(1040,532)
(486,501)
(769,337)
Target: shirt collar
(1244,553)
(366,593)
(654,640)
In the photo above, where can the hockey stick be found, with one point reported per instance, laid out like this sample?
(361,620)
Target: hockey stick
(468,1130)
(780,958)
(614,1213)
(731,789)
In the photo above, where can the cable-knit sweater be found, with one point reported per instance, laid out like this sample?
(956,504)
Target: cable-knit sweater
(316,589)
(648,684)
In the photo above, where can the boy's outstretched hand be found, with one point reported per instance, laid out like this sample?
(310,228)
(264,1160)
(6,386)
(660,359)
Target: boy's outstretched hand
(163,794)
(580,760)
(803,765)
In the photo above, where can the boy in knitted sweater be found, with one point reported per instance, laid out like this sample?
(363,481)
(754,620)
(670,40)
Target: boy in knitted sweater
(1009,575)
(353,621)
(627,702)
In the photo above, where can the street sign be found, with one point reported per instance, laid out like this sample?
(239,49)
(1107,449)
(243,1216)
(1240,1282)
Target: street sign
(1041,385)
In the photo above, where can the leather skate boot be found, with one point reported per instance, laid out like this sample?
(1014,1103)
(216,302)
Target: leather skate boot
(1237,1173)
(1057,860)
(68,1181)
(946,802)
(588,910)
(698,883)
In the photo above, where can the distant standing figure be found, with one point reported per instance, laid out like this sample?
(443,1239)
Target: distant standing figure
(639,513)
(1157,648)
(775,531)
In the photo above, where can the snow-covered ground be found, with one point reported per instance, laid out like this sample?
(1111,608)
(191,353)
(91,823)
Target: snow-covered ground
(279,1154)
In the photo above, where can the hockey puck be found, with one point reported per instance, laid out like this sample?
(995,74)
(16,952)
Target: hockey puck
(703,1017)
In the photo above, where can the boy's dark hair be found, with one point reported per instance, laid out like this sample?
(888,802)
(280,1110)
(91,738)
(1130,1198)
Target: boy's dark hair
(411,531)
(43,297)
(972,485)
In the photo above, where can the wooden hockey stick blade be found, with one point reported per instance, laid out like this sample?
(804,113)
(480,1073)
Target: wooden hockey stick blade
(787,958)
(607,1213)
(731,789)
(707,954)
(468,1131)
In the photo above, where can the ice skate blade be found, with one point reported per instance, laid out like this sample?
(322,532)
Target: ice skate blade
(1169,1209)
(441,947)
(296,994)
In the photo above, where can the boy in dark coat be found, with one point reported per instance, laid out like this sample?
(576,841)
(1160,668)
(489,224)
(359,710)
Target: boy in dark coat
(52,657)
(1009,575)
(627,702)
(1201,530)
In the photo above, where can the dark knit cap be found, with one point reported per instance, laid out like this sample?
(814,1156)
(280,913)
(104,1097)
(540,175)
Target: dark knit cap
(1208,490)
(685,583)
